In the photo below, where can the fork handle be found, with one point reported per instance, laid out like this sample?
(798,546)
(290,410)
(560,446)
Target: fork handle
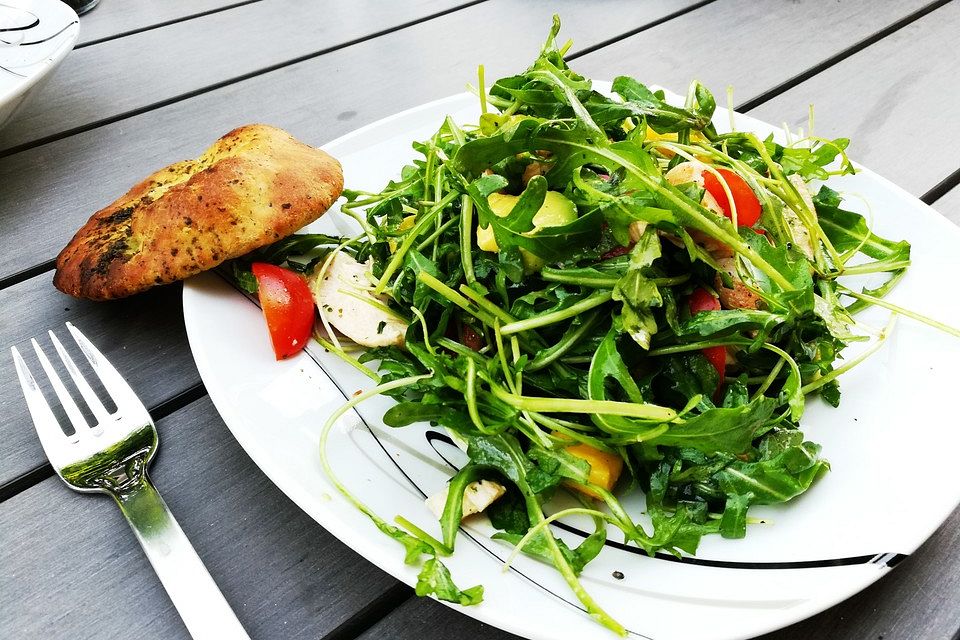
(203,608)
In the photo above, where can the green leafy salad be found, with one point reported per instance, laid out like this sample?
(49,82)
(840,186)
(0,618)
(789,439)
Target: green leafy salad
(600,295)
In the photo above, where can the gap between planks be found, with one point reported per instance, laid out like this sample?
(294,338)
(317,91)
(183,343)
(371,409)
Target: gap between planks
(165,23)
(377,610)
(853,49)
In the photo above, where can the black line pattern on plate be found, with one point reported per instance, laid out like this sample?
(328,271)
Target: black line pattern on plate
(888,559)
(23,27)
(19,75)
(50,37)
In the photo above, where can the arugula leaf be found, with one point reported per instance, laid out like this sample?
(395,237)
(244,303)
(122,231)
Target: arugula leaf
(782,474)
(509,513)
(729,321)
(728,430)
(733,523)
(685,376)
(660,116)
(848,230)
(414,546)
(241,275)
(681,529)
(637,293)
(435,579)
(406,413)
(793,266)
(578,558)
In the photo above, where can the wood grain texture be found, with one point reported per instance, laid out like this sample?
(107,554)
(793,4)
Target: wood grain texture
(72,568)
(898,101)
(88,170)
(914,602)
(143,337)
(120,76)
(949,205)
(113,18)
(771,44)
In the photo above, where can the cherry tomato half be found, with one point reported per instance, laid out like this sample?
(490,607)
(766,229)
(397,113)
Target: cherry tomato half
(718,358)
(701,300)
(748,206)
(287,306)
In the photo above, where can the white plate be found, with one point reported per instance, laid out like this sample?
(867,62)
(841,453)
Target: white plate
(35,36)
(892,443)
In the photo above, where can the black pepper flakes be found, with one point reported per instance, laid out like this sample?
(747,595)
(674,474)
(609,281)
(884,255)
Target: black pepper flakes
(618,575)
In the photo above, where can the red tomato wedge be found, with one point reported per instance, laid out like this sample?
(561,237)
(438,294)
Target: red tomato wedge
(748,206)
(701,300)
(718,358)
(287,306)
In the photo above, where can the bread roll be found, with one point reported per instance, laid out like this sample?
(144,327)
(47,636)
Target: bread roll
(254,186)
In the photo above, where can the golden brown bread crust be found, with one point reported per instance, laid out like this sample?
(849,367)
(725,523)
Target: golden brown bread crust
(253,186)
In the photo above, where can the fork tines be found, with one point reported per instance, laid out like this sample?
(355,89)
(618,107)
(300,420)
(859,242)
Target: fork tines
(123,397)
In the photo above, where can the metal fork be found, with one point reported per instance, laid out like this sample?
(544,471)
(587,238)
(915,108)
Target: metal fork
(112,457)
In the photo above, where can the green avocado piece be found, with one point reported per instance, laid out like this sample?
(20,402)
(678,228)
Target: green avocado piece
(557,210)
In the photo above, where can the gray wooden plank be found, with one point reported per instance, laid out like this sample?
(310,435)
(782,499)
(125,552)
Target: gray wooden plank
(143,336)
(126,74)
(898,101)
(85,171)
(111,18)
(917,601)
(949,205)
(735,43)
(71,567)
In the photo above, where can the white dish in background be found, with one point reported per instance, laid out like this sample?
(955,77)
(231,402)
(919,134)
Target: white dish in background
(35,36)
(893,480)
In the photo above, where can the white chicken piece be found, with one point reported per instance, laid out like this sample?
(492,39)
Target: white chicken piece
(693,172)
(477,496)
(343,296)
(799,232)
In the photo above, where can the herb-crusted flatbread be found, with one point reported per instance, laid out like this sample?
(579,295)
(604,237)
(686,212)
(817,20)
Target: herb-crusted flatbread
(253,186)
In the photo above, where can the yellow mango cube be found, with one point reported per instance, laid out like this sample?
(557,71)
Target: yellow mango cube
(605,468)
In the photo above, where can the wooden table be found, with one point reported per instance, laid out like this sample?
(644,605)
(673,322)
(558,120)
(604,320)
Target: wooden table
(156,81)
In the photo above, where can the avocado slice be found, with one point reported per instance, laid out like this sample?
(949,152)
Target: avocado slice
(556,211)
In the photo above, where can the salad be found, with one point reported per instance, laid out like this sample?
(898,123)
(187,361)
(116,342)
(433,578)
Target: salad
(596,295)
